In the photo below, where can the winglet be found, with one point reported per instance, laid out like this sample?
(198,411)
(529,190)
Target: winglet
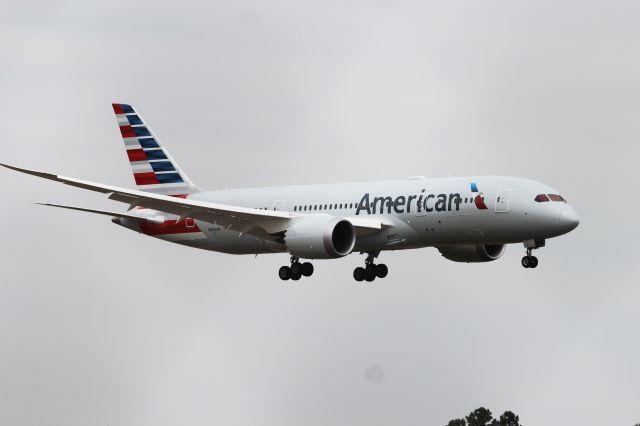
(31,172)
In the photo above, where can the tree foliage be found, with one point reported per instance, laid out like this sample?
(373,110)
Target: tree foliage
(480,417)
(483,417)
(508,419)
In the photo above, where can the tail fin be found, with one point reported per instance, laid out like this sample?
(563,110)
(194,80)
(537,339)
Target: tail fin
(153,168)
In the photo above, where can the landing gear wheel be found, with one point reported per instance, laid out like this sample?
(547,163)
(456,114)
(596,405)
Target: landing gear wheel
(296,270)
(381,270)
(307,269)
(370,273)
(284,273)
(530,261)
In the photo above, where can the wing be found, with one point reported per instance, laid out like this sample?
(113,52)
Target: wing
(246,220)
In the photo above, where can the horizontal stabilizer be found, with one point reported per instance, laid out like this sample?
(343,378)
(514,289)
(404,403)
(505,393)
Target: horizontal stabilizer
(152,219)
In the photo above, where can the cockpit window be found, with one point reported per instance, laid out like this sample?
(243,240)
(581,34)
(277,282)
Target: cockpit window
(556,197)
(542,198)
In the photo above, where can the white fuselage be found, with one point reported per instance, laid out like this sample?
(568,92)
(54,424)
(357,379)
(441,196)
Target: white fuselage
(419,212)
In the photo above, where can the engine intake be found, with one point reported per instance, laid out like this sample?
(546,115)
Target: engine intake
(320,236)
(473,253)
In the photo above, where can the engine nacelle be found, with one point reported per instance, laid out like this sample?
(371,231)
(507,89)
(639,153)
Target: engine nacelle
(320,236)
(473,253)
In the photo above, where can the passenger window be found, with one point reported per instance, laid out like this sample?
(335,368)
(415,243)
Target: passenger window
(541,198)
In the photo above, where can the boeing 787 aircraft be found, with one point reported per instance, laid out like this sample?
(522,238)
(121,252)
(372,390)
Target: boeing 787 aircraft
(468,219)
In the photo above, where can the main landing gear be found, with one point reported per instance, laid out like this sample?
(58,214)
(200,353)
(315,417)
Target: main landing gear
(371,271)
(296,271)
(530,261)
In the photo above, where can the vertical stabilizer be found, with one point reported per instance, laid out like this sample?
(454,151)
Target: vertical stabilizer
(153,168)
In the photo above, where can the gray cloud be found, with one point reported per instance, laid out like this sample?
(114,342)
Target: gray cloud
(99,325)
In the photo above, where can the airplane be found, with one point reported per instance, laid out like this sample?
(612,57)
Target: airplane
(468,219)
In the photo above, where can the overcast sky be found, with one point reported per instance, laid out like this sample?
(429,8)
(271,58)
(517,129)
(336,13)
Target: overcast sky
(102,326)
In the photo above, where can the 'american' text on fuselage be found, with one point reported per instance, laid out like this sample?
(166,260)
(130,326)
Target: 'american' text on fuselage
(402,204)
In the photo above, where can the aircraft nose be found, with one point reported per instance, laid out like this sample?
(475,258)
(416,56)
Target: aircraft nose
(568,219)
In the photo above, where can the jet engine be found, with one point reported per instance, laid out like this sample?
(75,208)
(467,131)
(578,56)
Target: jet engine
(473,253)
(320,236)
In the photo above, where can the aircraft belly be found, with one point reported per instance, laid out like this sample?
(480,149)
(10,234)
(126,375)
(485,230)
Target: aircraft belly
(467,228)
(230,241)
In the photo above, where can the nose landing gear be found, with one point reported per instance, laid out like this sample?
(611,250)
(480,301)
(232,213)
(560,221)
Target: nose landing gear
(530,261)
(371,271)
(296,271)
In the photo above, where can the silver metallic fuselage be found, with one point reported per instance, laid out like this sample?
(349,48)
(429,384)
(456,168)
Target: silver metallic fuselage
(511,216)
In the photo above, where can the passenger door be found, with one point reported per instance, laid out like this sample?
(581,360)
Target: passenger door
(502,200)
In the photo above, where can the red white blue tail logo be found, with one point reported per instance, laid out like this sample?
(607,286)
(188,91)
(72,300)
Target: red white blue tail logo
(153,168)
